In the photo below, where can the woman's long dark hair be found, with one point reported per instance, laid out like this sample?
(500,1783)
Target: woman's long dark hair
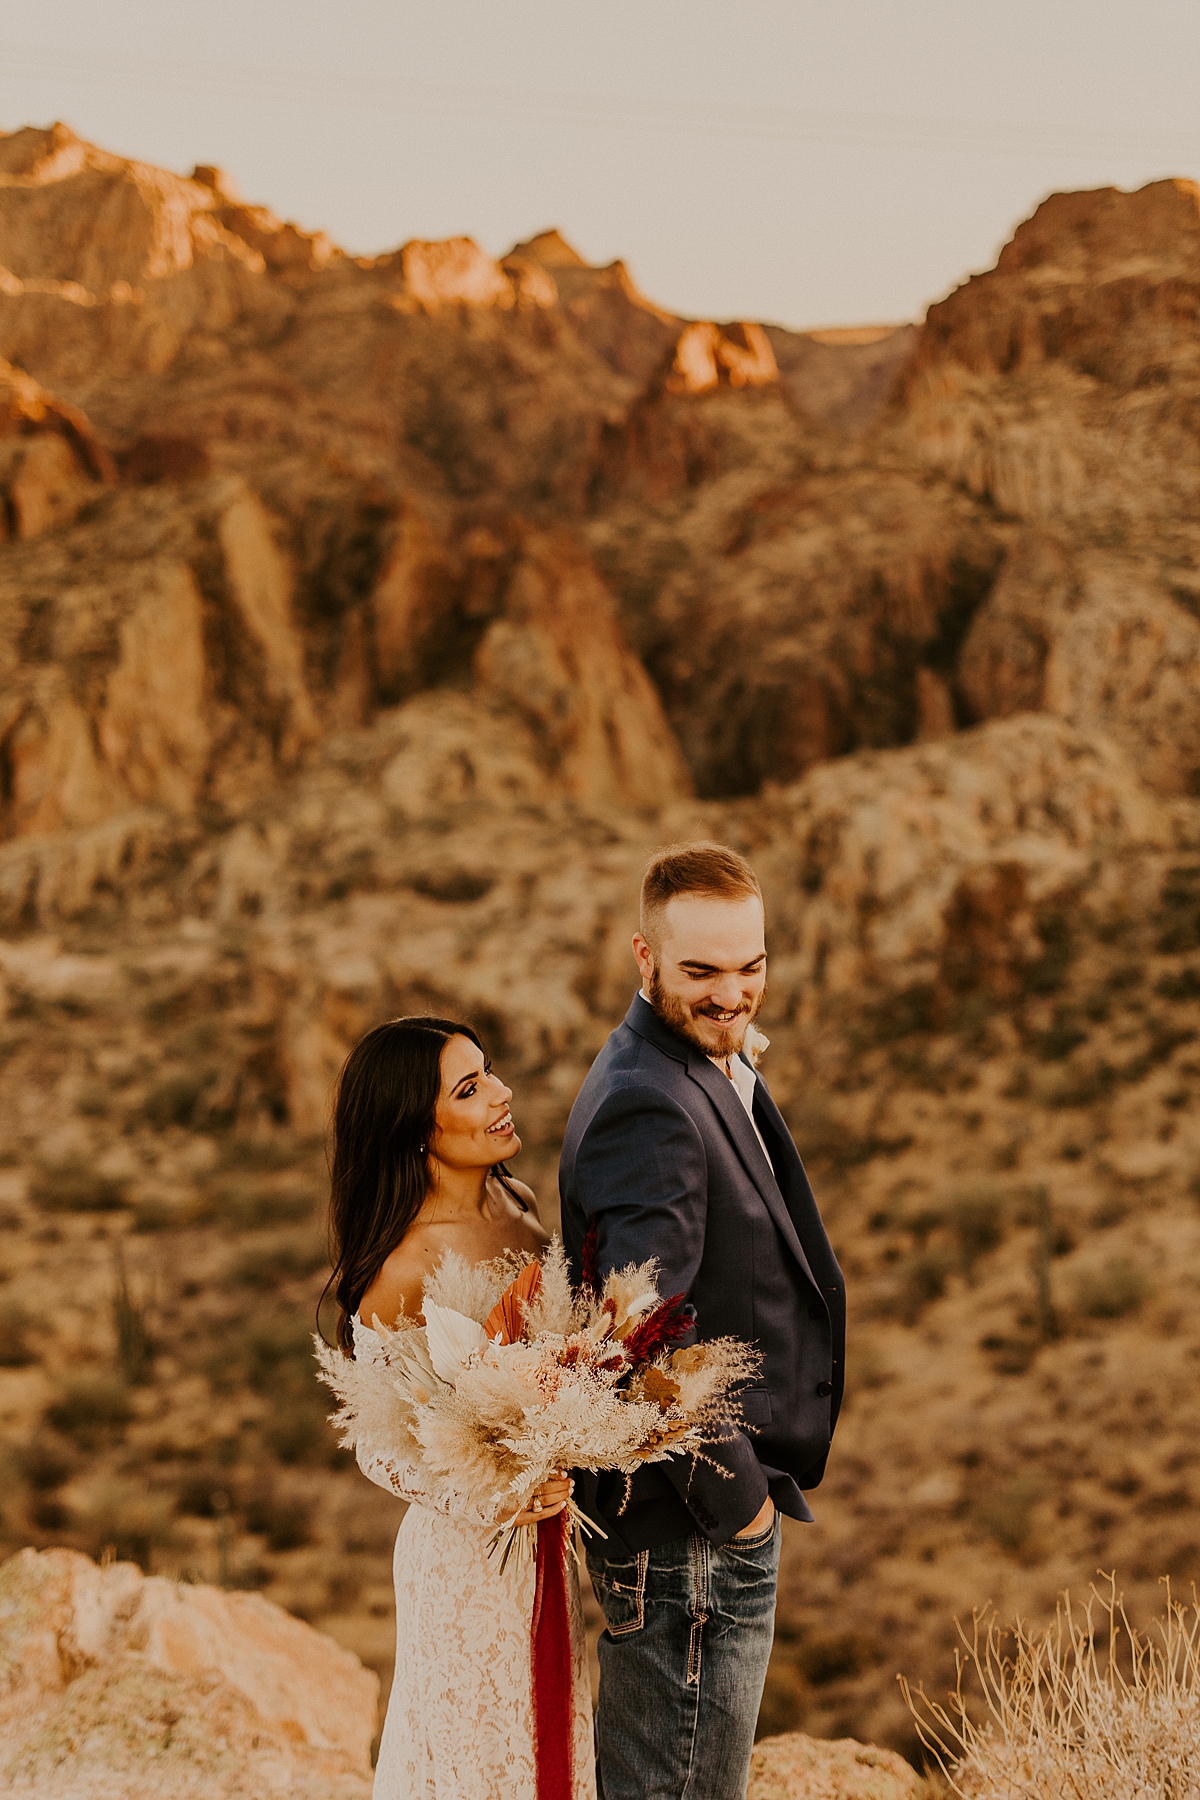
(383,1117)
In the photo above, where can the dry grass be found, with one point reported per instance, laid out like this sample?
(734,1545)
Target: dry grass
(1087,1709)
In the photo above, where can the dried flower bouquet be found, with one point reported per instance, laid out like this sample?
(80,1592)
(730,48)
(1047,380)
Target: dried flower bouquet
(515,1376)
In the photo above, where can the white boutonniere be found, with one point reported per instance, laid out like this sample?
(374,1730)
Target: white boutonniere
(756,1042)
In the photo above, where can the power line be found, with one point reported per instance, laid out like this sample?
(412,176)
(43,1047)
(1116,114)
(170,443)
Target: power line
(597,112)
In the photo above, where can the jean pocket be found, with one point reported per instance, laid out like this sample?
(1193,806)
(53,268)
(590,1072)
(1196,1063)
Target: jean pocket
(621,1591)
(758,1541)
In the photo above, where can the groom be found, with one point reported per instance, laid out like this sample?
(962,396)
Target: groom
(678,1152)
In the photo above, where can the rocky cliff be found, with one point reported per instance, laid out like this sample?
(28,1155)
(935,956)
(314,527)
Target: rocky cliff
(363,625)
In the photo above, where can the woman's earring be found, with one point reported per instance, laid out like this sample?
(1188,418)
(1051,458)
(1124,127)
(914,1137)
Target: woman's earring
(423,1148)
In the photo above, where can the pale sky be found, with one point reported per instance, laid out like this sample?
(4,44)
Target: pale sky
(838,162)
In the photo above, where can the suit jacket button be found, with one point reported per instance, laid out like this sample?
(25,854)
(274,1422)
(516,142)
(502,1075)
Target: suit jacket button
(824,1388)
(816,1312)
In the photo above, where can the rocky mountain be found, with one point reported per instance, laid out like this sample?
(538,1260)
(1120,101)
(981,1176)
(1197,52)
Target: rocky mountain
(364,622)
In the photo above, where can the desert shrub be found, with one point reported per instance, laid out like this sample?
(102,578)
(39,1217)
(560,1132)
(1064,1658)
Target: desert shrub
(867,1369)
(454,885)
(923,1281)
(1063,1035)
(174,1100)
(976,1216)
(1180,910)
(46,1462)
(91,1408)
(1185,985)
(264,1154)
(284,1256)
(74,1187)
(834,1656)
(1166,1038)
(1019,1083)
(127,1520)
(1062,1238)
(16,1336)
(246,1208)
(1080,1087)
(901,1014)
(345,1586)
(1116,1288)
(94,1100)
(201,1492)
(153,1213)
(923,1221)
(1047,974)
(1009,1355)
(1006,1512)
(49,1513)
(1126,976)
(299,1431)
(1088,1707)
(280,1351)
(815,1126)
(135,1348)
(285,1520)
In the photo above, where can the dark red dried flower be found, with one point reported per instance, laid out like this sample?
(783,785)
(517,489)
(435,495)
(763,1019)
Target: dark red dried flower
(663,1325)
(590,1273)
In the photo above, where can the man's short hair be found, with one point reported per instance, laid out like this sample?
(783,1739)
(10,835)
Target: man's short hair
(712,870)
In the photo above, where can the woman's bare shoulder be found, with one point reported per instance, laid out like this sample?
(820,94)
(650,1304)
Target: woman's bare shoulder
(399,1287)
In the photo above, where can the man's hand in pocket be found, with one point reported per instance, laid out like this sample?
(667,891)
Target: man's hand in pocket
(763,1517)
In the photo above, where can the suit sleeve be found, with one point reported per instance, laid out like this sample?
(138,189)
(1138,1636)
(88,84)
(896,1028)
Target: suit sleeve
(641,1173)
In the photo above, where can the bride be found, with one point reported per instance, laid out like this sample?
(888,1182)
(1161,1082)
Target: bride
(422,1130)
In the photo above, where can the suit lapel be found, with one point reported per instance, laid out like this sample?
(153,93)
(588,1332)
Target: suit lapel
(643,1019)
(723,1095)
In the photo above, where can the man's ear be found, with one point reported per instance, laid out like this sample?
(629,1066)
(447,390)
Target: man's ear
(644,957)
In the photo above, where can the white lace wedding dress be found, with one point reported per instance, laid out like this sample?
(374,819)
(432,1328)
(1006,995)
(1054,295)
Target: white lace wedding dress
(459,1722)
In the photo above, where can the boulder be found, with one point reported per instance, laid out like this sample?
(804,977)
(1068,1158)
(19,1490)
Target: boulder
(795,1767)
(117,1685)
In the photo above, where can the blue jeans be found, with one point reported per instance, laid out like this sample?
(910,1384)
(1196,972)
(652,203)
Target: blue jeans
(683,1659)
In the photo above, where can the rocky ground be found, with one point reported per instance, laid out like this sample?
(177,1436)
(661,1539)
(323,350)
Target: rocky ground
(364,624)
(114,1686)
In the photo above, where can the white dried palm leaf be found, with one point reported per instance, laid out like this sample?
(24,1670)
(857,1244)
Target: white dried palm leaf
(412,1366)
(453,1338)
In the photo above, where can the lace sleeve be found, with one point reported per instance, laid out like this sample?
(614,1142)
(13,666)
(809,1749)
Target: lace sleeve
(388,1468)
(407,1483)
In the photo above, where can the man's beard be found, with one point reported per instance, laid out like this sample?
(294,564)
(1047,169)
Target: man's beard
(679,1017)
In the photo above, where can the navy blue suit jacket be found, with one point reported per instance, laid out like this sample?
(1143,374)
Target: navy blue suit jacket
(660,1151)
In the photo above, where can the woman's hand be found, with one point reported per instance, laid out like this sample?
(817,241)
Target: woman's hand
(544,1501)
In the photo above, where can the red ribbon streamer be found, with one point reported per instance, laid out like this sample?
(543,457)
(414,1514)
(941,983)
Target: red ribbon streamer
(551,1664)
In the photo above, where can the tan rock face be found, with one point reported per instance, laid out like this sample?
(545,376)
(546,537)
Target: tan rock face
(50,460)
(705,356)
(904,861)
(456,272)
(114,1684)
(796,1767)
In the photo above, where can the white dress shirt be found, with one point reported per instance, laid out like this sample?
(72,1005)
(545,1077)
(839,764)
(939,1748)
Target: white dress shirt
(743,1080)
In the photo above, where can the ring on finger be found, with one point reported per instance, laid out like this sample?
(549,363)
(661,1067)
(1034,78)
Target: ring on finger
(537,1503)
